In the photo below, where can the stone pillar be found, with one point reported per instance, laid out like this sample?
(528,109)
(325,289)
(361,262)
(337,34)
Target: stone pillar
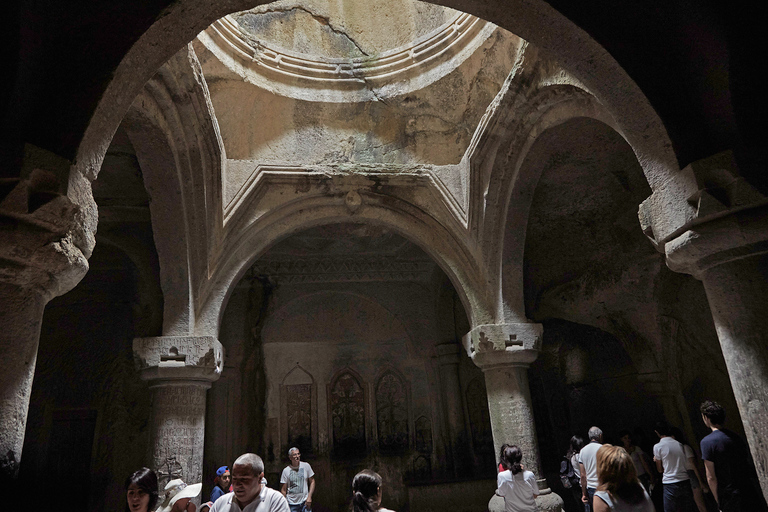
(713,225)
(504,352)
(736,283)
(39,260)
(179,370)
(738,296)
(448,357)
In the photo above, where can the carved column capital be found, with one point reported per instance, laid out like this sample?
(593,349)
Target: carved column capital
(41,249)
(167,359)
(499,345)
(705,216)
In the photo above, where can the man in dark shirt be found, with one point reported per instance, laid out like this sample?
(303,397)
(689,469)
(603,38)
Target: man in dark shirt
(728,465)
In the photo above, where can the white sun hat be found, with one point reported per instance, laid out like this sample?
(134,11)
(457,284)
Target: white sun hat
(176,490)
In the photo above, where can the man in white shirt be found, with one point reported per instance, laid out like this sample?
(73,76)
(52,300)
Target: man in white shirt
(298,483)
(249,493)
(588,465)
(670,460)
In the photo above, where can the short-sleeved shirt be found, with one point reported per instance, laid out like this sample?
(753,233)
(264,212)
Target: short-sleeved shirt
(588,457)
(269,500)
(673,459)
(518,491)
(296,478)
(730,456)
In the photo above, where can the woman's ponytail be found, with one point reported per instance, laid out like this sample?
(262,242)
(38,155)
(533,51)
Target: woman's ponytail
(365,489)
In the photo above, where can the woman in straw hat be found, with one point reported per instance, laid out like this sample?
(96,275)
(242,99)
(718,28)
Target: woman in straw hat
(178,496)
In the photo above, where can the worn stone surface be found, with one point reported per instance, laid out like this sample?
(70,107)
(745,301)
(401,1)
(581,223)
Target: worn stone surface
(39,259)
(516,166)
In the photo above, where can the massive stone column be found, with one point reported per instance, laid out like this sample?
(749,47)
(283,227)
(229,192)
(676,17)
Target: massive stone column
(504,352)
(714,225)
(179,370)
(39,259)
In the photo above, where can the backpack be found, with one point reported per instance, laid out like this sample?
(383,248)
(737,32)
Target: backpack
(567,474)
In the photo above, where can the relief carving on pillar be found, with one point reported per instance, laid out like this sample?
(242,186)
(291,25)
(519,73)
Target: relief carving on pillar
(479,417)
(347,408)
(179,426)
(392,413)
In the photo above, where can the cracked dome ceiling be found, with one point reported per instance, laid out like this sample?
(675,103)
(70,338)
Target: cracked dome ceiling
(317,82)
(343,30)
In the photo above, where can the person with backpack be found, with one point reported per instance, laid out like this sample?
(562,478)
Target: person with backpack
(569,470)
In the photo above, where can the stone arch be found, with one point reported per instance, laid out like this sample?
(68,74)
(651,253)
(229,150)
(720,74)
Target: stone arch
(176,137)
(533,20)
(446,247)
(348,414)
(392,398)
(550,108)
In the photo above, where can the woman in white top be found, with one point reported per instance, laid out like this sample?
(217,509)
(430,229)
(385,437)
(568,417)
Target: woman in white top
(619,489)
(517,486)
(366,492)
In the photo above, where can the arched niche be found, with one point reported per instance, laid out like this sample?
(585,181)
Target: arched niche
(391,393)
(348,415)
(298,411)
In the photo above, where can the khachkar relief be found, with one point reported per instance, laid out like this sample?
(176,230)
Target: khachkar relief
(392,413)
(299,419)
(347,404)
(178,421)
